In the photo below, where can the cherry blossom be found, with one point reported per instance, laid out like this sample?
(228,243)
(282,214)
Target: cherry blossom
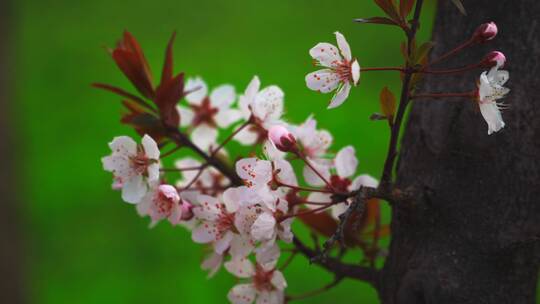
(265,283)
(490,89)
(340,73)
(485,32)
(162,202)
(212,263)
(209,181)
(217,223)
(281,138)
(264,107)
(208,113)
(134,167)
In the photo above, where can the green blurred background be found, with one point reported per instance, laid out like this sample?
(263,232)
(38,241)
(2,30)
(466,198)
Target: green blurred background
(83,244)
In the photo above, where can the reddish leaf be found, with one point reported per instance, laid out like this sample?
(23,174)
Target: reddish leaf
(167,97)
(377,20)
(123,93)
(405,7)
(321,222)
(388,103)
(167,73)
(131,61)
(389,8)
(143,122)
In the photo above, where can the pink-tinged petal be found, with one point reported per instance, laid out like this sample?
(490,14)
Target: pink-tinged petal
(246,137)
(123,145)
(268,104)
(312,178)
(176,215)
(318,197)
(341,96)
(241,267)
(241,246)
(355,72)
(204,233)
(252,89)
(198,90)
(150,147)
(255,172)
(134,189)
(272,152)
(346,162)
(143,207)
(223,96)
(263,227)
(186,116)
(223,242)
(323,81)
(268,256)
(153,173)
(225,118)
(364,180)
(492,115)
(284,232)
(204,136)
(109,163)
(278,280)
(232,199)
(270,297)
(245,217)
(326,54)
(208,208)
(242,294)
(212,263)
(343,46)
(286,172)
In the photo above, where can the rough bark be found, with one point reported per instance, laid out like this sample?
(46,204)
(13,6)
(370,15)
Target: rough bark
(472,233)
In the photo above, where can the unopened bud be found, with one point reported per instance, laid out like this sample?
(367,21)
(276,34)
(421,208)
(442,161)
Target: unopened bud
(281,138)
(168,192)
(485,32)
(494,58)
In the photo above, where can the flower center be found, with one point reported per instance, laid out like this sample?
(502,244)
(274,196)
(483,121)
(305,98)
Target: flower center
(225,222)
(343,70)
(163,205)
(204,113)
(340,184)
(262,279)
(140,162)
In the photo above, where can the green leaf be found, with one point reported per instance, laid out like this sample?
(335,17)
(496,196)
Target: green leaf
(460,6)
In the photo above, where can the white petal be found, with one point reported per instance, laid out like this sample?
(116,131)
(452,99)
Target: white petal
(492,115)
(364,180)
(355,71)
(153,173)
(323,81)
(204,136)
(286,173)
(270,297)
(272,152)
(318,197)
(241,267)
(268,256)
(134,189)
(196,97)
(268,104)
(241,246)
(150,147)
(123,145)
(222,96)
(252,88)
(212,263)
(278,280)
(312,178)
(186,116)
(223,243)
(346,162)
(263,227)
(338,209)
(343,46)
(257,173)
(231,198)
(326,54)
(224,118)
(501,77)
(284,233)
(246,137)
(242,294)
(204,233)
(340,96)
(208,208)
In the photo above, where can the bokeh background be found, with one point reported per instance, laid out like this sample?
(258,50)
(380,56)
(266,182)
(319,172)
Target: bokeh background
(81,243)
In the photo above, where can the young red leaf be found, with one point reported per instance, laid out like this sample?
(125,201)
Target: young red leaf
(389,7)
(167,73)
(321,222)
(405,8)
(377,20)
(167,97)
(388,103)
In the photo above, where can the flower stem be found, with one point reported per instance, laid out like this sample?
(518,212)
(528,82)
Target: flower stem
(400,69)
(310,165)
(298,188)
(453,52)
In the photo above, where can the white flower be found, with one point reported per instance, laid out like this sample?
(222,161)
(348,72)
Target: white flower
(265,107)
(341,70)
(490,89)
(217,223)
(134,166)
(206,113)
(212,263)
(265,285)
(161,202)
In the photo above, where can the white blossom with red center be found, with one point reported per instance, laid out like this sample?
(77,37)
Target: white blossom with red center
(265,283)
(134,167)
(340,73)
(490,89)
(264,107)
(160,203)
(217,224)
(210,181)
(208,113)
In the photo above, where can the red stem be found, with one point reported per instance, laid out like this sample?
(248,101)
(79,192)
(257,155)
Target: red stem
(452,52)
(400,69)
(303,188)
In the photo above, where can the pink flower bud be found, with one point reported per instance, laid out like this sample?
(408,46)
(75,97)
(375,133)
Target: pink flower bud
(169,193)
(187,210)
(494,58)
(485,32)
(281,138)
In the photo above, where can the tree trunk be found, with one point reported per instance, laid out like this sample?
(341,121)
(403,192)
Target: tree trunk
(472,233)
